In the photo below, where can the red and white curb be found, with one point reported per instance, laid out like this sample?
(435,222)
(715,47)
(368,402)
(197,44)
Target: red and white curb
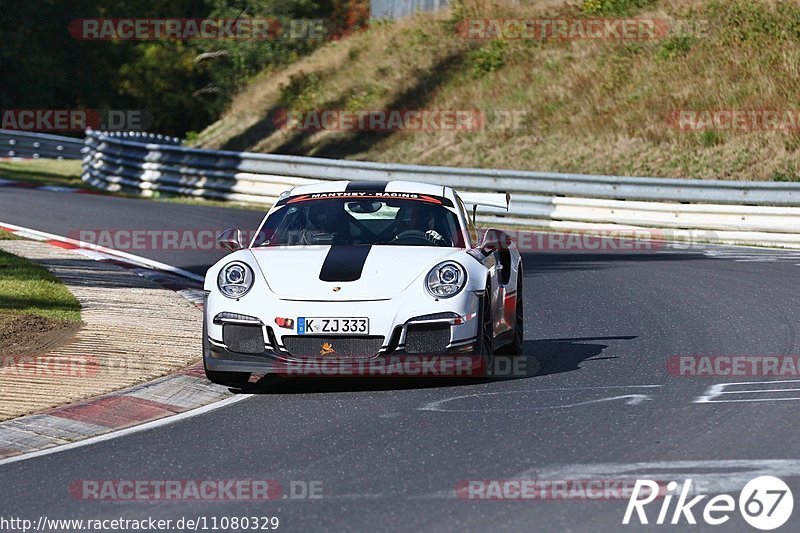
(69,425)
(159,402)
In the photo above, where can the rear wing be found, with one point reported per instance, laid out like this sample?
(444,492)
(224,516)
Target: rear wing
(500,200)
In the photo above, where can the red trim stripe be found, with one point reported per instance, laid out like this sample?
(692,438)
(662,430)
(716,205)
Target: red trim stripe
(65,245)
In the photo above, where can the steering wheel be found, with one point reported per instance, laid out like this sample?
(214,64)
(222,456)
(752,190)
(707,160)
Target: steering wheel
(411,235)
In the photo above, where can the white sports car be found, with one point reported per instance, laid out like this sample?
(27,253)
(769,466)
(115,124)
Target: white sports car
(351,272)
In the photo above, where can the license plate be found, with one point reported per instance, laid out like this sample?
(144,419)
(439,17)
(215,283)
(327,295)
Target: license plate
(332,326)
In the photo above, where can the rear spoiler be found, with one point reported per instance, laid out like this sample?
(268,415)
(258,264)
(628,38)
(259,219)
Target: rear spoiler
(500,200)
(486,199)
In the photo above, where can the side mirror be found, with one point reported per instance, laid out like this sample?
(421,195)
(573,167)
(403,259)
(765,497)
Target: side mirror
(487,248)
(232,239)
(493,241)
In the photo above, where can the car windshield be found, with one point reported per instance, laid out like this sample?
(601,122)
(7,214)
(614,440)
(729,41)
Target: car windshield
(344,221)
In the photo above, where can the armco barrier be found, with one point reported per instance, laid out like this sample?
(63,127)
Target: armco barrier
(25,144)
(766,213)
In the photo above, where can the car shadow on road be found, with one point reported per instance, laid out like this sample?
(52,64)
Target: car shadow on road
(539,358)
(555,356)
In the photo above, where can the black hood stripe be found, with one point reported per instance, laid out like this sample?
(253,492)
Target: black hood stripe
(366,186)
(344,263)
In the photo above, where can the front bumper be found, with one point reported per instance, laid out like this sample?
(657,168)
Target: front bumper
(458,362)
(427,335)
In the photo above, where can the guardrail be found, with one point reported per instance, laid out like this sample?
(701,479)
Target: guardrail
(753,212)
(25,144)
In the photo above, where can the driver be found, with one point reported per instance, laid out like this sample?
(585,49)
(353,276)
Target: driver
(420,218)
(330,218)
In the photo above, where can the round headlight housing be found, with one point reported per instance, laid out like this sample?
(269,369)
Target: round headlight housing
(235,279)
(446,279)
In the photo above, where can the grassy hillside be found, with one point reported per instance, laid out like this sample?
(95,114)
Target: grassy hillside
(589,106)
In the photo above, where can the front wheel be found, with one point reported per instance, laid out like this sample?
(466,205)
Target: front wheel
(486,334)
(515,348)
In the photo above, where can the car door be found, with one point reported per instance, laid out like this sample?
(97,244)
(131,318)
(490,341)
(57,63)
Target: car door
(494,268)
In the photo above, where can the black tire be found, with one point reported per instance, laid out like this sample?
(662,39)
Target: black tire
(227,379)
(486,335)
(515,347)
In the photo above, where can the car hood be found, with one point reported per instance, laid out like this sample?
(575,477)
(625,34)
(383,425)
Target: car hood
(293,273)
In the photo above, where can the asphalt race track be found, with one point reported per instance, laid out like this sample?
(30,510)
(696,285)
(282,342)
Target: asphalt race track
(598,402)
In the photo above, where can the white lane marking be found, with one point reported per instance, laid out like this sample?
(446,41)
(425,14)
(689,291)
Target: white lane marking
(708,476)
(722,474)
(713,476)
(718,389)
(759,391)
(739,253)
(754,400)
(742,256)
(130,258)
(128,431)
(632,399)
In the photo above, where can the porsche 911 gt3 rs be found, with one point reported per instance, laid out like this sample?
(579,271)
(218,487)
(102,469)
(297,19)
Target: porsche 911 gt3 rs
(359,271)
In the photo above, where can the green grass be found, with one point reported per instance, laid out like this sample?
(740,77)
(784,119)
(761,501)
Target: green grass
(28,288)
(7,236)
(191,200)
(66,173)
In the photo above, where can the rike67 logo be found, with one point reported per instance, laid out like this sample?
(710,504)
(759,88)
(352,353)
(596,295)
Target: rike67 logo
(765,503)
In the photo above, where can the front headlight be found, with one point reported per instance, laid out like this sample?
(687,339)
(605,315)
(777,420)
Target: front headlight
(235,280)
(446,279)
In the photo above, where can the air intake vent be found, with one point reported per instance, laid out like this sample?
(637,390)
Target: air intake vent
(243,339)
(427,338)
(306,346)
